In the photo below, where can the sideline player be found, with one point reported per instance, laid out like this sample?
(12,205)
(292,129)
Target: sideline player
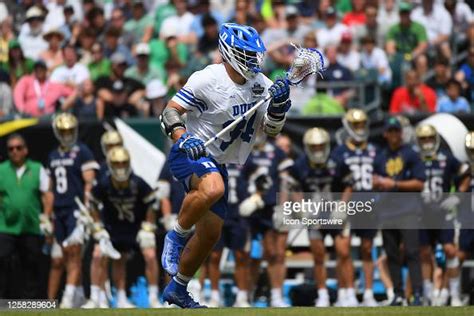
(124,208)
(441,168)
(213,98)
(72,170)
(358,155)
(263,171)
(315,172)
(98,272)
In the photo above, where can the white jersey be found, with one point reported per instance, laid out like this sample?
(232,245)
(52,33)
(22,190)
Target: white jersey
(213,101)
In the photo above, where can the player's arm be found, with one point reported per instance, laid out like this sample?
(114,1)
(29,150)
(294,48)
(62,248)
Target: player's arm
(47,199)
(276,112)
(146,235)
(88,177)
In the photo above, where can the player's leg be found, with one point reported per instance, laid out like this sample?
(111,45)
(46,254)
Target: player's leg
(346,270)
(382,266)
(56,270)
(95,278)
(151,273)
(214,276)
(207,233)
(271,256)
(119,277)
(280,254)
(426,257)
(205,190)
(237,242)
(453,273)
(318,251)
(367,237)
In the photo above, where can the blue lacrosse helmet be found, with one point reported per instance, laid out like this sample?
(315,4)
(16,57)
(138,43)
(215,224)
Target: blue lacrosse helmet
(242,48)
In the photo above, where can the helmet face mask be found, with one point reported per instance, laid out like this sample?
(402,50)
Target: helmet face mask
(118,162)
(469,145)
(65,129)
(317,145)
(356,124)
(427,139)
(242,48)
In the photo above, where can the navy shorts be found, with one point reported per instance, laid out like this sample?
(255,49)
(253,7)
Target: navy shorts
(64,223)
(429,237)
(466,240)
(124,242)
(183,168)
(234,234)
(364,233)
(261,221)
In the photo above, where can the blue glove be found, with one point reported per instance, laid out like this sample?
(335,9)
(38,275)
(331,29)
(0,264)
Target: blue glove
(281,102)
(192,146)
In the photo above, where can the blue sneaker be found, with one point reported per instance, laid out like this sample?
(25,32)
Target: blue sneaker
(177,294)
(172,248)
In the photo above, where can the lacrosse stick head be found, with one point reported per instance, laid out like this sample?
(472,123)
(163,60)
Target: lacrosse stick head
(307,61)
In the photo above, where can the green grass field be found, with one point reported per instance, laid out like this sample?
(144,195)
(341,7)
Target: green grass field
(295,311)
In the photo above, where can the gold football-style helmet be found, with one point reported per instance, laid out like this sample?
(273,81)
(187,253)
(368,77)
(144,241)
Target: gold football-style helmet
(317,145)
(65,129)
(356,123)
(469,144)
(118,162)
(109,140)
(427,139)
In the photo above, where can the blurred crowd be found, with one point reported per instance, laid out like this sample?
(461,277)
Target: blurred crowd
(125,58)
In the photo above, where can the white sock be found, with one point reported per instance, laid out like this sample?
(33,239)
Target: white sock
(181,231)
(454,287)
(390,293)
(350,292)
(103,300)
(341,294)
(427,288)
(323,293)
(121,296)
(242,296)
(215,295)
(444,293)
(152,292)
(368,294)
(95,293)
(276,294)
(69,291)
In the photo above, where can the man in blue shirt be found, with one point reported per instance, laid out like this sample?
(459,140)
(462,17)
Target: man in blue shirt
(397,168)
(453,102)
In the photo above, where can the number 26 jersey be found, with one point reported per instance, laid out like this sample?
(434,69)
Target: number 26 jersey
(213,101)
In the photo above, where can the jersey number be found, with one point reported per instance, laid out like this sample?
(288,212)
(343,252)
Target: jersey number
(61,179)
(244,129)
(433,190)
(125,212)
(362,175)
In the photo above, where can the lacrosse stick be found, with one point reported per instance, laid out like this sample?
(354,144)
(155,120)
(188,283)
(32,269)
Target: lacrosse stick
(308,61)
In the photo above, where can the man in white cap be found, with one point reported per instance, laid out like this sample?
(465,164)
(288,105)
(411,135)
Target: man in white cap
(31,34)
(156,97)
(143,71)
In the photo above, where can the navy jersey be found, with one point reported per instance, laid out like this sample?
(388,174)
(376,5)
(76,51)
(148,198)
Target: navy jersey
(65,168)
(176,189)
(123,210)
(320,179)
(272,159)
(440,173)
(402,164)
(359,160)
(103,169)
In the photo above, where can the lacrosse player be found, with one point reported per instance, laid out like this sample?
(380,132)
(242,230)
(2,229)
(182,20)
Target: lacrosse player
(213,98)
(124,211)
(72,170)
(316,172)
(358,155)
(441,168)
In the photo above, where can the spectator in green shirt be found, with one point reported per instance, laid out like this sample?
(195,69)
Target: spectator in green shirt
(143,71)
(18,65)
(24,194)
(406,37)
(141,24)
(99,66)
(167,48)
